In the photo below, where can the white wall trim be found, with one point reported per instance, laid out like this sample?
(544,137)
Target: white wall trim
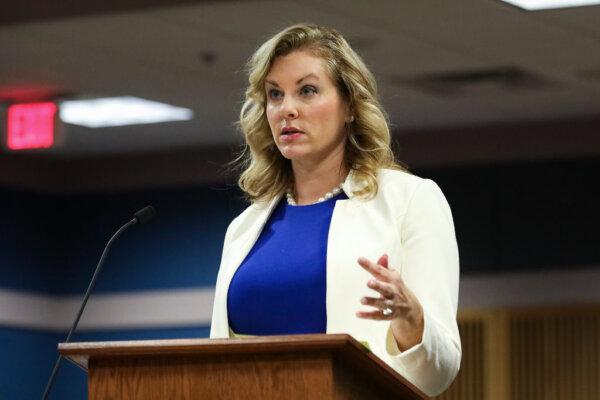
(539,288)
(108,311)
(171,308)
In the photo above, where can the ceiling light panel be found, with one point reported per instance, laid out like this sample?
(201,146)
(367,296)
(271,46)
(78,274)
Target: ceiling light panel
(120,111)
(548,4)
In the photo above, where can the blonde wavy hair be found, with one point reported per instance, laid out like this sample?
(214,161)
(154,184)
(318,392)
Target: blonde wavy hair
(266,173)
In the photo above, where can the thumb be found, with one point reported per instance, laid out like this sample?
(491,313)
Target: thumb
(383,261)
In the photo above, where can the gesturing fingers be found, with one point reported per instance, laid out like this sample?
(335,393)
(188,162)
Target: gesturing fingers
(377,302)
(377,315)
(386,290)
(393,302)
(379,271)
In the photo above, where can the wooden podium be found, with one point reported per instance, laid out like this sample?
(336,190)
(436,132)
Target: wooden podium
(272,367)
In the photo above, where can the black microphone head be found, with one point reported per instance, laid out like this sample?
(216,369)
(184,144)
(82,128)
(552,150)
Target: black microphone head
(144,215)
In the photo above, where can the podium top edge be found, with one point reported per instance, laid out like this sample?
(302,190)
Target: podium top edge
(168,345)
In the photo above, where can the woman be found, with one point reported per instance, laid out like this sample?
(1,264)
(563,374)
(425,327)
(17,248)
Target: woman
(334,222)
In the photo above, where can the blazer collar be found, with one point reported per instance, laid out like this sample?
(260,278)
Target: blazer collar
(352,184)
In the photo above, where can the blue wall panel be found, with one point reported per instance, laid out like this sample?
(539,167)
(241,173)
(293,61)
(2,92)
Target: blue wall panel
(28,358)
(50,244)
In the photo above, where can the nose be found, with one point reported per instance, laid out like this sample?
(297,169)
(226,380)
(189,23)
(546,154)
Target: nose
(288,109)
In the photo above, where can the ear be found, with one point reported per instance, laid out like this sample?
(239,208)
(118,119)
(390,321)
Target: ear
(349,115)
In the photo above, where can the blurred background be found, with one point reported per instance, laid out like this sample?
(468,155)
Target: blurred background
(498,104)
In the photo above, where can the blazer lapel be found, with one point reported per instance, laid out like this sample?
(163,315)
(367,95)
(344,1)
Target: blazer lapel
(241,246)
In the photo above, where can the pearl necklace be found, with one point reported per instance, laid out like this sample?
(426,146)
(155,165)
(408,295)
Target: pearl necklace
(335,191)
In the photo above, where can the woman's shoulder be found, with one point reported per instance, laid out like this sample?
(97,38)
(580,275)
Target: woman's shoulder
(400,176)
(415,193)
(399,181)
(408,188)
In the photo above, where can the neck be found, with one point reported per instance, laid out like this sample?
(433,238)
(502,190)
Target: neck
(312,181)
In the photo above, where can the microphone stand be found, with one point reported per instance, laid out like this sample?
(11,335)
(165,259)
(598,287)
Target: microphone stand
(140,217)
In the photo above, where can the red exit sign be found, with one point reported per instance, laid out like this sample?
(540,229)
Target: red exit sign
(31,126)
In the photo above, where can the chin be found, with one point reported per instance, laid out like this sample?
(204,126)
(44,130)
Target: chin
(292,153)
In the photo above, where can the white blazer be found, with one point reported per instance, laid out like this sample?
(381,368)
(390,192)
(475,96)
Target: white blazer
(410,220)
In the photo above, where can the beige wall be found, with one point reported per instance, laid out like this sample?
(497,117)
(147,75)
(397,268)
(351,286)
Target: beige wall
(545,353)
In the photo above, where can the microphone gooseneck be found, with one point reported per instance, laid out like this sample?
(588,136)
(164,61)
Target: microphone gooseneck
(141,217)
(144,215)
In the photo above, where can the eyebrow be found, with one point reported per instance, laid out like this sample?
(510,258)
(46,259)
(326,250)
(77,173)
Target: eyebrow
(311,75)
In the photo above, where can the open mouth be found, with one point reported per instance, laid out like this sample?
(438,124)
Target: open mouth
(290,135)
(289,132)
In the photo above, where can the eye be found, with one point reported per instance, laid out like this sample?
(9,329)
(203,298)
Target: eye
(308,90)
(274,94)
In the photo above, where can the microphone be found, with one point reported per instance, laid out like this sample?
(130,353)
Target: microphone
(144,215)
(141,217)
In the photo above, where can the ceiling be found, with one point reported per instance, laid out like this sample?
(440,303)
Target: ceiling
(439,64)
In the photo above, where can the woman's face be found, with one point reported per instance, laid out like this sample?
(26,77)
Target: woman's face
(305,111)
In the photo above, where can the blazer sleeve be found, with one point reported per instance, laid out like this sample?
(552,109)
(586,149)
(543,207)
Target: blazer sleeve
(430,268)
